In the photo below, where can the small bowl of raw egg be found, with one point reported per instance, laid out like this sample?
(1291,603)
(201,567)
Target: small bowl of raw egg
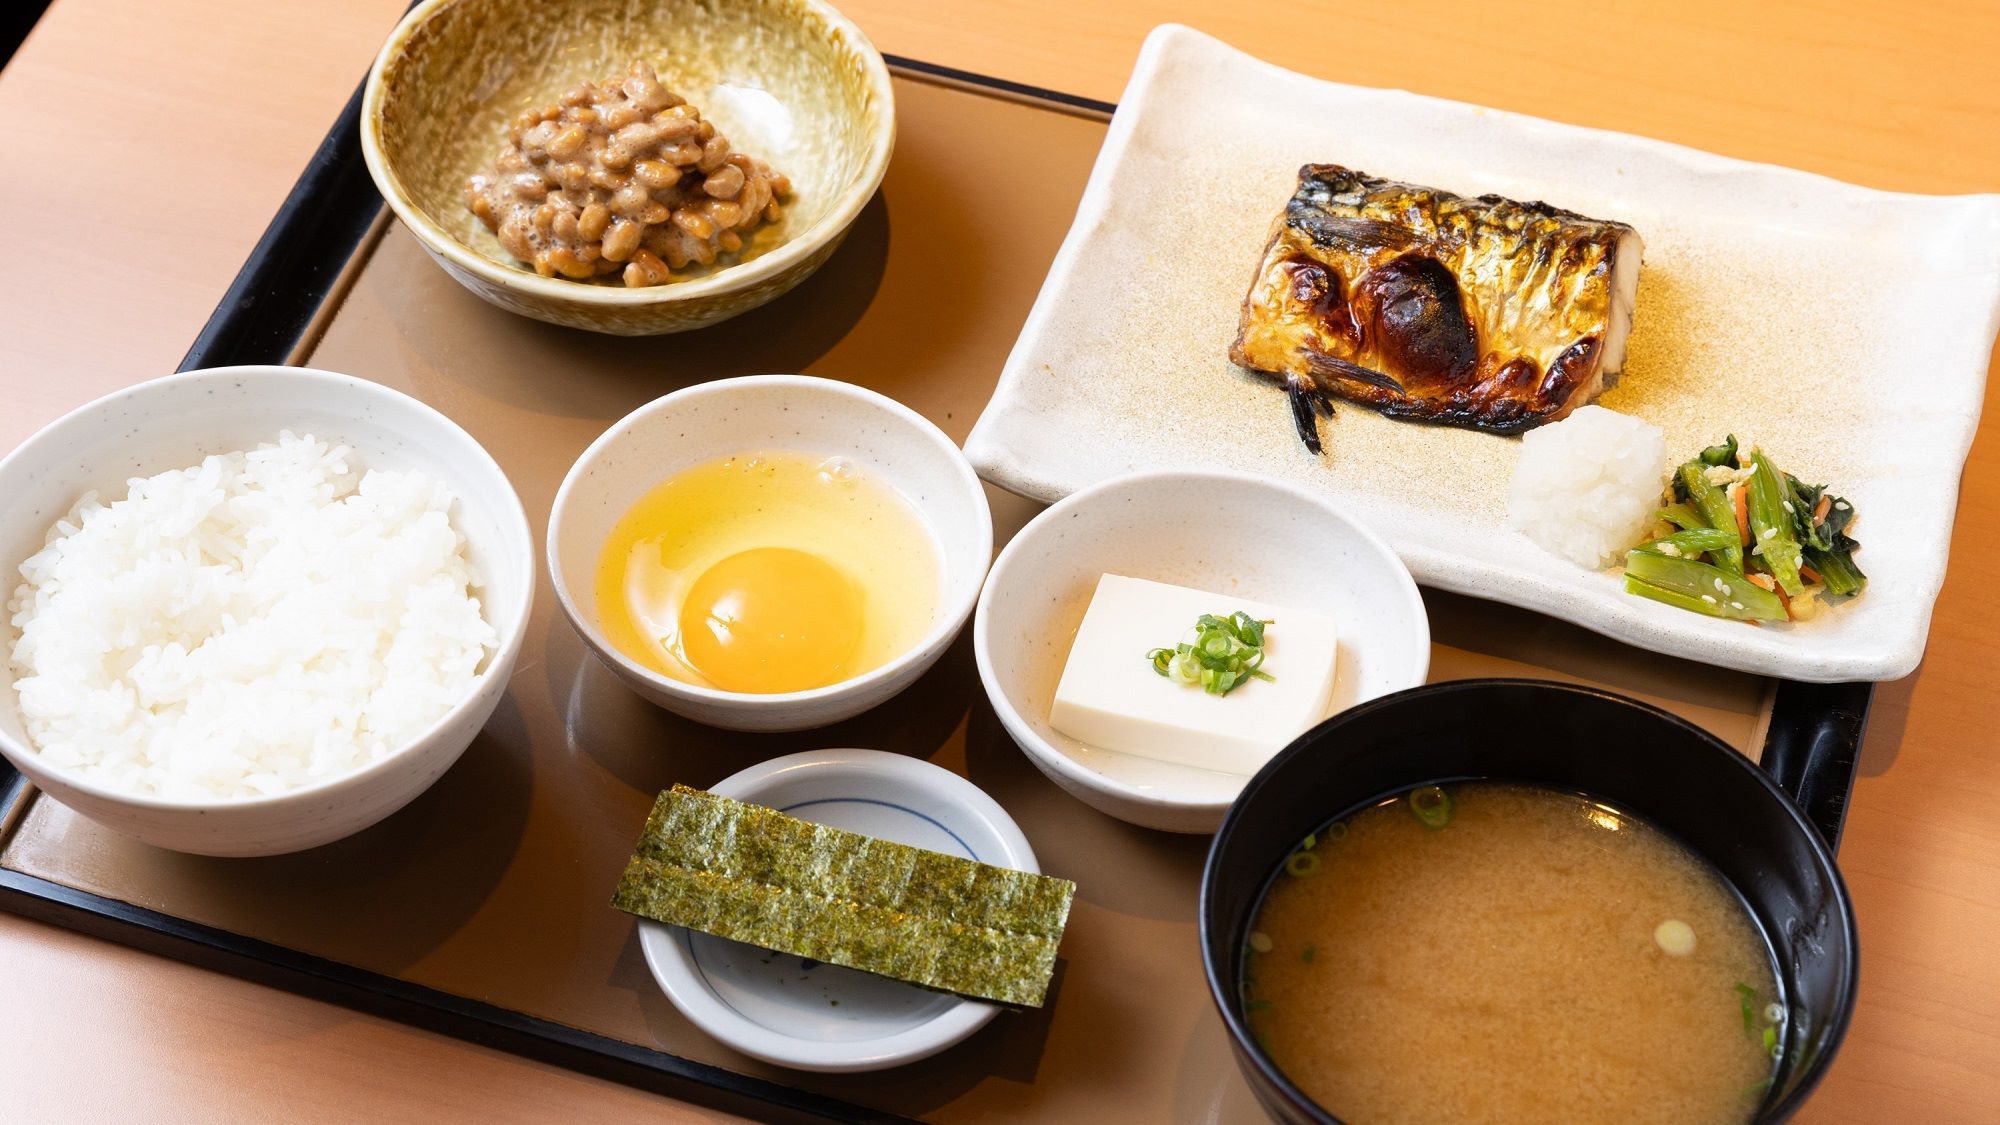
(776,552)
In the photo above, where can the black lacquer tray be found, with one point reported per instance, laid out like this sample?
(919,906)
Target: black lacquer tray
(334,283)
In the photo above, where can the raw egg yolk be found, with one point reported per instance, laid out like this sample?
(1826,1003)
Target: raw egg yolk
(771,619)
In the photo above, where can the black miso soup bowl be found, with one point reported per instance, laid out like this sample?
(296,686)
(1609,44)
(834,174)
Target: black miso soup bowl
(1627,754)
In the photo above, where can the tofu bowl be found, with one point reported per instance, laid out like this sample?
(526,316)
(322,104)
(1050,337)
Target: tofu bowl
(1246,542)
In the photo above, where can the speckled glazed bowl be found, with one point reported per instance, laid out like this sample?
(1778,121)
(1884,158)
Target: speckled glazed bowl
(792,82)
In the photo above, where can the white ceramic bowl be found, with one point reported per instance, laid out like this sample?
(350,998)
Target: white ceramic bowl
(172,423)
(889,441)
(780,1008)
(1228,532)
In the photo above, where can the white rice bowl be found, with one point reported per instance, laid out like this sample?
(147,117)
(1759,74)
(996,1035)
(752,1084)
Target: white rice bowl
(1587,488)
(257,623)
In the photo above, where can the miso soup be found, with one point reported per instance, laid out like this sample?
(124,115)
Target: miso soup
(1493,952)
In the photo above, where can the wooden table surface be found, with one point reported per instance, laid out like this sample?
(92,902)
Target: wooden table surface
(149,143)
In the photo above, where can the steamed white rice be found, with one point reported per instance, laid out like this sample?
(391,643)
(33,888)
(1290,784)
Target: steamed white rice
(259,622)
(1588,487)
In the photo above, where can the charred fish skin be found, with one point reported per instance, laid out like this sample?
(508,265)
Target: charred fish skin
(1488,313)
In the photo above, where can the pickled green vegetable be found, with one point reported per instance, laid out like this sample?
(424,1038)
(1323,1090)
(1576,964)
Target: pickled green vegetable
(1683,516)
(1699,587)
(1829,550)
(1771,507)
(1724,454)
(1714,506)
(1796,538)
(1837,571)
(1690,544)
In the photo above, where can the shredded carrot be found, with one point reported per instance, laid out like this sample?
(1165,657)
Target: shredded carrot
(1764,580)
(1740,496)
(1820,509)
(1811,575)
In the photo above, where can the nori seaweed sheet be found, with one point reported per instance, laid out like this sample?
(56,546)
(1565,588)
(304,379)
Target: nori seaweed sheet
(753,874)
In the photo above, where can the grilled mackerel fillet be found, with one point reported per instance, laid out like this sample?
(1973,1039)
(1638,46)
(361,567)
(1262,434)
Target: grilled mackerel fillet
(1487,312)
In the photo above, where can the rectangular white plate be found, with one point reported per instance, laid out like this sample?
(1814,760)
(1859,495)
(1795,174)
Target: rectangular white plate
(1846,330)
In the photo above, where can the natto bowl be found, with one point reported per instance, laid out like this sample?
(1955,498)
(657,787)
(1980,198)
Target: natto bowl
(792,82)
(1635,757)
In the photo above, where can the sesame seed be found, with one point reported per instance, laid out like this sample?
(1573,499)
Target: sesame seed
(1768,532)
(1709,598)
(1737,605)
(1718,584)
(1789,508)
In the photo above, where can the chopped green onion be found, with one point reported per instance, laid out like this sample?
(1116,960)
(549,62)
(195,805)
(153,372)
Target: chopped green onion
(1714,505)
(1335,831)
(1771,1040)
(1699,587)
(1310,842)
(1431,806)
(1748,996)
(1249,628)
(1224,653)
(1302,865)
(1307,954)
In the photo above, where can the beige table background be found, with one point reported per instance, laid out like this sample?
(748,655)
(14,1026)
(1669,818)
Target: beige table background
(148,142)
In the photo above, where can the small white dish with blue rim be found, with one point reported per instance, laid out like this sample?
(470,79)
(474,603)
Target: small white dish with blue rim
(812,1016)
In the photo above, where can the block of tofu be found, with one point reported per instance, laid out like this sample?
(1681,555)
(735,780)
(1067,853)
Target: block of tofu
(1111,698)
